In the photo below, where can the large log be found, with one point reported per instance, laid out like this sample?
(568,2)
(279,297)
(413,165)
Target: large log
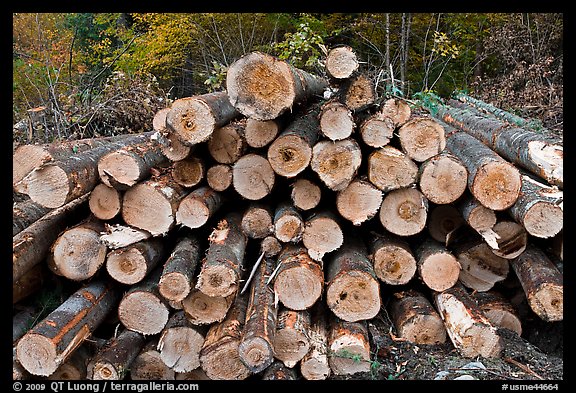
(336,163)
(260,133)
(392,258)
(105,202)
(442,178)
(305,194)
(291,341)
(113,361)
(314,365)
(390,169)
(421,138)
(129,265)
(180,343)
(257,221)
(253,177)
(288,223)
(196,208)
(348,347)
(322,234)
(404,211)
(376,131)
(336,121)
(26,213)
(149,366)
(228,143)
(359,202)
(341,62)
(188,172)
(438,268)
(178,272)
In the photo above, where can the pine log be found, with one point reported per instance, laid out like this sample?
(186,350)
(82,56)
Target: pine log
(219,356)
(260,133)
(202,309)
(26,213)
(314,365)
(118,236)
(442,178)
(499,310)
(438,268)
(512,239)
(404,211)
(29,283)
(130,265)
(151,205)
(221,270)
(228,143)
(299,280)
(105,202)
(257,221)
(336,121)
(262,87)
(442,221)
(291,341)
(290,153)
(256,348)
(336,163)
(51,342)
(396,110)
(468,328)
(178,272)
(180,343)
(277,371)
(78,253)
(341,62)
(73,369)
(415,319)
(219,177)
(389,169)
(270,246)
(22,322)
(359,202)
(376,130)
(542,283)
(348,347)
(253,177)
(288,223)
(421,138)
(29,247)
(149,366)
(358,92)
(196,208)
(352,287)
(322,234)
(194,119)
(188,172)
(479,218)
(305,194)
(392,258)
(114,360)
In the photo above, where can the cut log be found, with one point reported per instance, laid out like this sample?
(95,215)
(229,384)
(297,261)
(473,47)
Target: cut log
(196,208)
(118,236)
(270,246)
(512,239)
(479,218)
(421,138)
(51,342)
(170,145)
(359,202)
(542,283)
(352,288)
(149,366)
(305,194)
(314,365)
(257,221)
(262,87)
(442,178)
(291,341)
(415,319)
(348,347)
(29,247)
(442,221)
(396,110)
(377,131)
(22,322)
(499,311)
(322,234)
(78,253)
(288,223)
(222,268)
(341,62)
(336,163)
(29,283)
(178,272)
(219,177)
(336,121)
(438,268)
(219,354)
(105,202)
(129,265)
(180,343)
(468,328)
(227,143)
(277,371)
(26,213)
(256,348)
(73,369)
(188,172)
(358,92)
(290,153)
(299,280)
(403,212)
(253,177)
(389,169)
(114,360)
(194,119)
(392,258)
(260,133)
(202,309)
(151,205)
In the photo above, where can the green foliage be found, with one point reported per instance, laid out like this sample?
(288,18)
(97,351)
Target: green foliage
(428,99)
(217,77)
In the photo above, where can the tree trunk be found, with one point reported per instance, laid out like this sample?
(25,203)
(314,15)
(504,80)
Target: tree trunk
(499,311)
(359,202)
(202,309)
(188,172)
(392,258)
(442,178)
(341,62)
(219,177)
(421,138)
(228,143)
(336,121)
(178,272)
(149,366)
(322,234)
(358,92)
(512,239)
(288,223)
(389,169)
(348,347)
(105,202)
(29,283)
(336,163)
(51,342)
(396,110)
(291,341)
(180,343)
(262,87)
(26,213)
(438,268)
(119,236)
(443,220)
(196,208)
(377,131)
(404,212)
(257,221)
(130,265)
(253,177)
(314,365)
(114,360)
(260,133)
(277,371)
(305,194)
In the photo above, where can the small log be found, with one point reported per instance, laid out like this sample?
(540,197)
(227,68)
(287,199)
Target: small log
(341,62)
(468,328)
(105,202)
(359,202)
(188,172)
(260,133)
(180,343)
(291,341)
(499,311)
(358,92)
(442,178)
(299,280)
(196,208)
(149,366)
(336,163)
(277,371)
(73,369)
(26,213)
(118,236)
(29,283)
(438,268)
(51,342)
(22,322)
(336,121)
(114,360)
(322,234)
(219,177)
(288,223)
(422,138)
(262,87)
(404,212)
(219,356)
(348,347)
(257,221)
(442,221)
(253,177)
(221,270)
(392,258)
(415,319)
(194,119)
(377,131)
(305,194)
(129,265)
(389,169)
(479,218)
(256,348)
(542,283)
(314,365)
(270,246)
(512,239)
(78,253)
(178,272)
(202,309)
(352,288)
(396,110)
(170,145)
(227,143)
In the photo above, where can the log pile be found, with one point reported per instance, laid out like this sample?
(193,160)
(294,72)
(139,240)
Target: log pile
(255,231)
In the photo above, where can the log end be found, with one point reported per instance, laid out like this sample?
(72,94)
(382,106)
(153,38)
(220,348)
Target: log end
(179,348)
(497,185)
(256,353)
(217,280)
(443,179)
(78,253)
(202,309)
(143,312)
(191,120)
(192,212)
(102,371)
(394,265)
(118,169)
(349,355)
(300,287)
(37,354)
(424,329)
(354,296)
(289,228)
(105,202)
(341,62)
(149,366)
(440,271)
(548,302)
(422,138)
(314,369)
(145,207)
(544,220)
(259,133)
(174,287)
(321,236)
(48,186)
(253,177)
(223,363)
(289,155)
(359,202)
(290,346)
(377,132)
(305,194)
(404,212)
(127,266)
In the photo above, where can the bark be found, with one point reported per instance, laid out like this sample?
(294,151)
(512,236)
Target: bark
(421,138)
(178,272)
(348,347)
(22,322)
(257,221)
(392,259)
(188,172)
(358,92)
(404,212)
(438,268)
(336,121)
(130,265)
(341,62)
(499,310)
(228,143)
(478,217)
(390,169)
(442,178)
(114,360)
(442,221)
(196,208)
(219,177)
(260,133)
(149,366)
(26,213)
(305,194)
(105,202)
(291,341)
(359,202)
(253,177)
(322,234)
(336,163)
(288,223)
